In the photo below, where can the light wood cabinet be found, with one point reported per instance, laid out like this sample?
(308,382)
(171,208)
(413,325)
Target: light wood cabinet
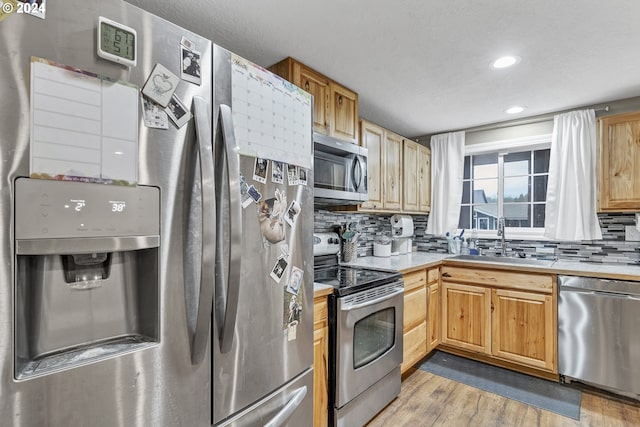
(619,163)
(433,316)
(392,195)
(343,113)
(410,199)
(335,108)
(466,317)
(522,328)
(424,179)
(416,172)
(415,319)
(508,316)
(320,362)
(372,138)
(421,314)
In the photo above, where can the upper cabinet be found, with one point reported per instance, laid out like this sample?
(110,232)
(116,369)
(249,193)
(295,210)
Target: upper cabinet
(399,172)
(416,171)
(335,108)
(619,163)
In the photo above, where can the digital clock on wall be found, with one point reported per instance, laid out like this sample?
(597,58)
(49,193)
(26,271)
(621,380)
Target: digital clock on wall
(117,42)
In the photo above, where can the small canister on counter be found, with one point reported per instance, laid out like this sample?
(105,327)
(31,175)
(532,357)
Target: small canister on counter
(382,246)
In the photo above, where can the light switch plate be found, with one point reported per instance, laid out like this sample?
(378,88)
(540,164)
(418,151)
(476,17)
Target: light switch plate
(631,233)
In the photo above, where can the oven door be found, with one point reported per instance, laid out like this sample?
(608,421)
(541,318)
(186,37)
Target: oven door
(368,339)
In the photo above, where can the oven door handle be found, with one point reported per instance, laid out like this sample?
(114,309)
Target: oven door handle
(373,301)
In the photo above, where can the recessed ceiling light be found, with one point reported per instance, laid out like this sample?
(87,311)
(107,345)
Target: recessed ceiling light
(505,61)
(514,110)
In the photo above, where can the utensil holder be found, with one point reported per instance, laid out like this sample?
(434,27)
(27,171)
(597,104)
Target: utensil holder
(349,252)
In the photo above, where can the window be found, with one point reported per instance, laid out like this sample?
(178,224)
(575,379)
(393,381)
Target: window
(511,185)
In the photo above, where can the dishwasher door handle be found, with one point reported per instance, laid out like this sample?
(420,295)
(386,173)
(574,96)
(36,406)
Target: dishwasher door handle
(603,294)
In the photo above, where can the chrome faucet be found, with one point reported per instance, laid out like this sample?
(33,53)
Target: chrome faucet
(503,244)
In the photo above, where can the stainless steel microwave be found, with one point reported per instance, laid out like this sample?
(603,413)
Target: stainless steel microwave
(340,172)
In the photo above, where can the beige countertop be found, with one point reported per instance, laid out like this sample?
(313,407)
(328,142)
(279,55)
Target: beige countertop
(418,260)
(404,263)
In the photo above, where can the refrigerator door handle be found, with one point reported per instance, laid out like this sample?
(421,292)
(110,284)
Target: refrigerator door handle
(207,254)
(229,285)
(288,410)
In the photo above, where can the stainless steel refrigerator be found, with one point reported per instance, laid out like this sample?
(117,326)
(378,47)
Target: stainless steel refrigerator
(160,303)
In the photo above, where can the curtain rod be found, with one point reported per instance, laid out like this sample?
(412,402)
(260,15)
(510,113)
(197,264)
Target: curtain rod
(527,121)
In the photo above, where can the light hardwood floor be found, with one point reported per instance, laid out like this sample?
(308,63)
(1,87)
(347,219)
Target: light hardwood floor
(430,400)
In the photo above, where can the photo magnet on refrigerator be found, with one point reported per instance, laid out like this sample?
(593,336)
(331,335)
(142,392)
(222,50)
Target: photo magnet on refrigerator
(279,268)
(292,175)
(270,217)
(302,176)
(295,279)
(177,112)
(292,213)
(292,310)
(190,60)
(260,170)
(153,115)
(160,85)
(277,172)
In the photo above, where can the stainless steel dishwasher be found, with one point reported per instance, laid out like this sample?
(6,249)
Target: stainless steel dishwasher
(599,333)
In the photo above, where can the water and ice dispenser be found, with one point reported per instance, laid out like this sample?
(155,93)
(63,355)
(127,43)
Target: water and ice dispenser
(87,276)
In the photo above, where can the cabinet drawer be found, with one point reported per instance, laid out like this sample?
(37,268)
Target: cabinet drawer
(503,279)
(415,346)
(415,308)
(433,275)
(414,280)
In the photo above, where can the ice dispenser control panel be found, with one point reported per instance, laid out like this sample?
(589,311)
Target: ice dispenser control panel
(60,209)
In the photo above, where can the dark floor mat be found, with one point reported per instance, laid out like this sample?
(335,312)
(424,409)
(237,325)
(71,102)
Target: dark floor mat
(548,395)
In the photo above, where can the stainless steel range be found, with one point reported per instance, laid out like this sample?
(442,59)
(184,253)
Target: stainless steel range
(365,335)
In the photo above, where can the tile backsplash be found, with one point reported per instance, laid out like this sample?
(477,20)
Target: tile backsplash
(613,247)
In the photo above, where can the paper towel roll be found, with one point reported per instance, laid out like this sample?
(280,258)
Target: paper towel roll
(402,225)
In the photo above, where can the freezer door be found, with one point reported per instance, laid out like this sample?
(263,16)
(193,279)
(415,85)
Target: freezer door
(167,383)
(289,406)
(263,317)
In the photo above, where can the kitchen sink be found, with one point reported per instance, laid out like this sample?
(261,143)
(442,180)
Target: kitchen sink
(504,260)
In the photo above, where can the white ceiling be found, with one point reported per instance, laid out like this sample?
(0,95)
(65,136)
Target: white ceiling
(422,66)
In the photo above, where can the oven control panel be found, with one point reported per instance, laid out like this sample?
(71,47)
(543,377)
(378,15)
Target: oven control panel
(326,243)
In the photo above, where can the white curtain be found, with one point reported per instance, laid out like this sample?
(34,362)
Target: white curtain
(447,167)
(571,191)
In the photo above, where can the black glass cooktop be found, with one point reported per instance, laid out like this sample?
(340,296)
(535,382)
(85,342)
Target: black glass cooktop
(347,280)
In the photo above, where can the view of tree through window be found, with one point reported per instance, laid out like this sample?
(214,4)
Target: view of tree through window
(513,186)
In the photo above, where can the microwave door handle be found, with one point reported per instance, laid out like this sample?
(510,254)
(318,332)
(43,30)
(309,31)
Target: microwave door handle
(229,284)
(288,410)
(356,173)
(207,254)
(373,301)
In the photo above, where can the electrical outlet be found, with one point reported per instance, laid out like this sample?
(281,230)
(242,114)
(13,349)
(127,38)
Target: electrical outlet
(631,233)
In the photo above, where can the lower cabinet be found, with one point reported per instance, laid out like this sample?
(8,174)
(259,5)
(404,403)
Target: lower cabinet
(421,314)
(415,319)
(320,362)
(506,316)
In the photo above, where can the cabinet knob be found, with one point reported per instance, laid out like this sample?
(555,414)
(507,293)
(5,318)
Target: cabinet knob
(306,85)
(445,274)
(340,100)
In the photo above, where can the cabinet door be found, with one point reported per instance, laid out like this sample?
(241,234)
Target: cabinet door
(320,377)
(410,176)
(433,316)
(392,175)
(343,113)
(466,319)
(414,346)
(318,86)
(523,328)
(372,138)
(424,179)
(620,163)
